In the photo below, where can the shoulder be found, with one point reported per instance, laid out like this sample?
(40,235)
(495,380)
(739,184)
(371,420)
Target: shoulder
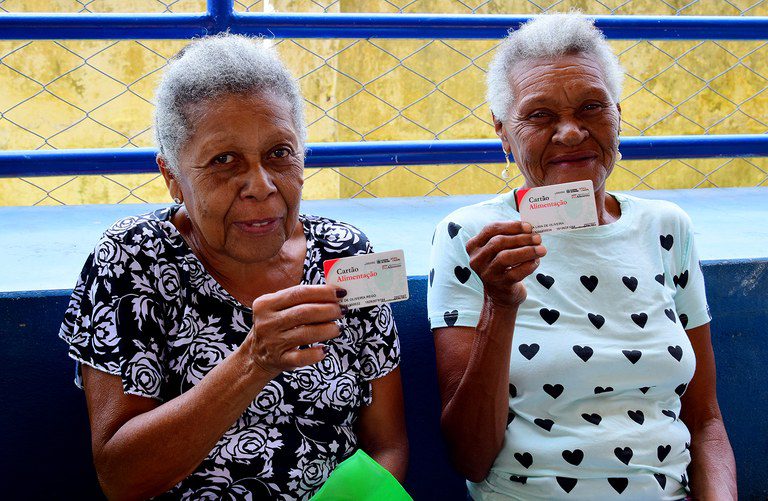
(144,235)
(658,214)
(468,221)
(335,236)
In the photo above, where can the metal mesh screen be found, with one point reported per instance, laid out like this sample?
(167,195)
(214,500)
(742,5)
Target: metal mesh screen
(97,94)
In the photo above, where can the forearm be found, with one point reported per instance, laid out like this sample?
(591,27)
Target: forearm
(713,469)
(154,451)
(393,457)
(475,418)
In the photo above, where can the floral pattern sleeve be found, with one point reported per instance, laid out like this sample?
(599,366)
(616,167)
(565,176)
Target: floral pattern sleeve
(113,320)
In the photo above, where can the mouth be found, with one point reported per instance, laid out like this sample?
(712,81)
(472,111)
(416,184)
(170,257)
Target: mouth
(258,226)
(573,159)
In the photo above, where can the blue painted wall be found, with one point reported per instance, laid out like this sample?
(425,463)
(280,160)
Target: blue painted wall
(46,444)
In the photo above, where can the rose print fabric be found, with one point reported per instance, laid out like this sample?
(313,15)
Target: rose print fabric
(600,356)
(146,310)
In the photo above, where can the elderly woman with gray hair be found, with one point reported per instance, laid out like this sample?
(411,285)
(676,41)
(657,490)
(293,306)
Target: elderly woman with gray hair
(573,365)
(215,360)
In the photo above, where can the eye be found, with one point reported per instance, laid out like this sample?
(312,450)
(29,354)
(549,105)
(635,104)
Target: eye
(223,159)
(539,116)
(592,107)
(281,152)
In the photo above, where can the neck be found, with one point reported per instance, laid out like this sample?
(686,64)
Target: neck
(608,209)
(246,281)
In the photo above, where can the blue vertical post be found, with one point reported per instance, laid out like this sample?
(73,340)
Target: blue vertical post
(220,13)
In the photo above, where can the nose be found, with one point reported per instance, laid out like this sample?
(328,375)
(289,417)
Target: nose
(570,132)
(256,182)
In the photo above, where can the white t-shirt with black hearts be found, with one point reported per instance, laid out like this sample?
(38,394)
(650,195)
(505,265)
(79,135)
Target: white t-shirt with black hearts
(600,355)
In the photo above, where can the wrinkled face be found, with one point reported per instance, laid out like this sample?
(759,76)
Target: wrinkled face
(563,125)
(241,174)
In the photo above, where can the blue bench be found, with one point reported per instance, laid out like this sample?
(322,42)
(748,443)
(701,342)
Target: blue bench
(46,445)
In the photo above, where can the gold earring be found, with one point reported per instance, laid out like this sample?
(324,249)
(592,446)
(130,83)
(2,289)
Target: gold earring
(618,153)
(177,200)
(505,172)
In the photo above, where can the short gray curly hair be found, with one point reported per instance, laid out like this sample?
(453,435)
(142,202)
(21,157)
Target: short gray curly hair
(210,67)
(549,35)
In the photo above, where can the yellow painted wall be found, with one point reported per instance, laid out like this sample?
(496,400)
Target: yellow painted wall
(96,94)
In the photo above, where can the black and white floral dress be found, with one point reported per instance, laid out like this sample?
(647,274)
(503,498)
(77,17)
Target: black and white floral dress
(146,310)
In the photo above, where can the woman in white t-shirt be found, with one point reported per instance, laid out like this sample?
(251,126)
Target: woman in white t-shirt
(573,365)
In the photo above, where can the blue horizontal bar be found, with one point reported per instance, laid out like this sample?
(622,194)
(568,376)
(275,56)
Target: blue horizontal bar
(375,153)
(347,25)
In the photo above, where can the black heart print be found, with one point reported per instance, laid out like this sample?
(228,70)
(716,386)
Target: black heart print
(545,280)
(529,350)
(575,457)
(661,479)
(660,278)
(630,282)
(597,320)
(632,355)
(544,423)
(462,273)
(524,459)
(676,352)
(453,229)
(681,389)
(584,352)
(666,241)
(682,280)
(670,313)
(636,416)
(600,389)
(512,391)
(683,320)
(618,484)
(450,317)
(590,283)
(640,319)
(431,276)
(518,478)
(663,451)
(592,418)
(554,391)
(549,316)
(624,455)
(669,413)
(645,389)
(566,483)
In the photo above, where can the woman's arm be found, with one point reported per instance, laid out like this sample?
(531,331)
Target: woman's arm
(381,427)
(473,363)
(142,448)
(713,469)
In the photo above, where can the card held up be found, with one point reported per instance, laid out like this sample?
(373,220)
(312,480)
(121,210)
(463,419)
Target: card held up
(369,279)
(558,207)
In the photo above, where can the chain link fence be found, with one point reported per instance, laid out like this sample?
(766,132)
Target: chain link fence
(98,94)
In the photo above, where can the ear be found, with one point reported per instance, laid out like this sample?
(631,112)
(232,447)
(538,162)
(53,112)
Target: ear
(170,180)
(498,125)
(618,107)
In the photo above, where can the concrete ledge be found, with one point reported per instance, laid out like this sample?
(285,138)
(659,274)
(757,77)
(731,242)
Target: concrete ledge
(44,248)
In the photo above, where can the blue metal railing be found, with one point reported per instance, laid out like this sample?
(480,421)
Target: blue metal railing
(221,16)
(373,153)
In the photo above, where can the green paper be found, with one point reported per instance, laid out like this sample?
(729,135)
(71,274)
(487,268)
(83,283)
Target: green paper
(360,478)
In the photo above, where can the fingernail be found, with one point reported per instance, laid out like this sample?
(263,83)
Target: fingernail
(344,310)
(527,227)
(540,250)
(536,238)
(326,349)
(340,293)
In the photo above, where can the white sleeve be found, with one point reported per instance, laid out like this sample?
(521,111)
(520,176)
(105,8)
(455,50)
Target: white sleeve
(455,292)
(690,295)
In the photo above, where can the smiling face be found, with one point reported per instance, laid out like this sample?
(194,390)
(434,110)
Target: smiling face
(563,125)
(240,175)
